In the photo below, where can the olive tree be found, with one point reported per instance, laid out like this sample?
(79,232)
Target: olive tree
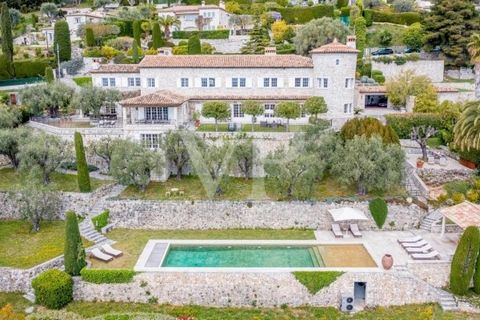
(243,157)
(10,142)
(104,148)
(217,110)
(288,110)
(406,84)
(91,99)
(52,97)
(9,117)
(253,109)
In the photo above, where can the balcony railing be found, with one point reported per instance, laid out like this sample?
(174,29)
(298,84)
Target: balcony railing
(145,121)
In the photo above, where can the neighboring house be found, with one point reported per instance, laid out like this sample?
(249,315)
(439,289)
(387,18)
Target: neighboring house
(172,87)
(77,19)
(214,17)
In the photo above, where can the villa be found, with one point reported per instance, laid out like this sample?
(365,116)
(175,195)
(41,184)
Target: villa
(76,19)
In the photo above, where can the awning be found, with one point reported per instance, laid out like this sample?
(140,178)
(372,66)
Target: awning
(347,213)
(464,215)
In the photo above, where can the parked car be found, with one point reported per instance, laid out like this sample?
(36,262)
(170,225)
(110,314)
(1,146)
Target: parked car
(411,50)
(382,52)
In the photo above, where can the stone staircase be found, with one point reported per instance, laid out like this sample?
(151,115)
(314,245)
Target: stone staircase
(430,220)
(447,301)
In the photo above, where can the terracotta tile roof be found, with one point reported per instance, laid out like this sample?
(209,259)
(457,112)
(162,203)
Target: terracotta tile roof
(159,98)
(464,214)
(189,8)
(334,47)
(130,94)
(226,61)
(383,89)
(117,68)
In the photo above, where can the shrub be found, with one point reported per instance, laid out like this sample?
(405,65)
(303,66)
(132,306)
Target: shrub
(457,187)
(405,18)
(107,276)
(403,123)
(53,289)
(345,12)
(379,210)
(49,74)
(72,165)
(300,15)
(314,281)
(464,261)
(194,46)
(458,197)
(368,127)
(72,66)
(472,195)
(74,254)
(101,220)
(83,176)
(31,68)
(83,82)
(210,34)
(89,37)
(378,76)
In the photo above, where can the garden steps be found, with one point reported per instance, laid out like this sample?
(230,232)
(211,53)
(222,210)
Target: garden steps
(30,296)
(447,301)
(430,220)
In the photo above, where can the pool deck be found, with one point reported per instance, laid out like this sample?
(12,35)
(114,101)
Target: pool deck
(381,242)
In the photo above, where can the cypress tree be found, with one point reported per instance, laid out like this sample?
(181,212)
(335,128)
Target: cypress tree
(157,36)
(464,261)
(194,45)
(62,38)
(49,74)
(74,253)
(7,39)
(89,37)
(82,167)
(135,57)
(137,31)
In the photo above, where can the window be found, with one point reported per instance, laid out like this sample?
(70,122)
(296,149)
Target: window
(347,108)
(151,82)
(112,82)
(184,82)
(208,82)
(273,82)
(105,82)
(270,82)
(237,110)
(337,62)
(305,82)
(349,83)
(323,83)
(151,141)
(298,81)
(137,82)
(77,20)
(134,82)
(238,82)
(301,82)
(269,110)
(156,113)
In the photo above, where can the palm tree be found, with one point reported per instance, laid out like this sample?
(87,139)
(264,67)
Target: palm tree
(474,50)
(167,22)
(467,129)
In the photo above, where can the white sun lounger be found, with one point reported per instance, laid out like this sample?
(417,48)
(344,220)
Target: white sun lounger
(337,231)
(410,240)
(418,244)
(99,255)
(426,248)
(355,231)
(109,250)
(432,255)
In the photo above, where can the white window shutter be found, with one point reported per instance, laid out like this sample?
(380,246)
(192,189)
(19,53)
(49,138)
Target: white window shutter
(228,82)
(280,82)
(190,82)
(141,114)
(218,82)
(248,82)
(291,82)
(198,82)
(260,82)
(179,82)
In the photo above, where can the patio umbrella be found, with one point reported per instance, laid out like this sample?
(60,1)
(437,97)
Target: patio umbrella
(346,214)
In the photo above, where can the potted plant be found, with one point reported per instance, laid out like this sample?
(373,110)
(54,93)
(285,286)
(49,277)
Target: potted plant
(196,119)
(420,163)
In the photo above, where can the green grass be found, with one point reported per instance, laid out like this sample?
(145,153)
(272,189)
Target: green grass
(132,242)
(11,180)
(83,81)
(21,248)
(373,35)
(15,299)
(248,128)
(434,142)
(315,281)
(448,79)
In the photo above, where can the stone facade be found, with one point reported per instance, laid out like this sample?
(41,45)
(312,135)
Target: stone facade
(431,68)
(140,214)
(230,45)
(255,289)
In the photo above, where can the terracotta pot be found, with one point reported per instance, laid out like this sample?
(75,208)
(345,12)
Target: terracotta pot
(387,261)
(420,164)
(197,123)
(468,164)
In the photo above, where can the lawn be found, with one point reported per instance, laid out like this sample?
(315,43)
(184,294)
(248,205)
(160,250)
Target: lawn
(132,242)
(373,35)
(237,189)
(21,248)
(11,180)
(248,128)
(17,300)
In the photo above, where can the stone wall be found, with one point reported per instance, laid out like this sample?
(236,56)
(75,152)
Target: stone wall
(255,289)
(231,45)
(434,273)
(431,68)
(244,214)
(438,177)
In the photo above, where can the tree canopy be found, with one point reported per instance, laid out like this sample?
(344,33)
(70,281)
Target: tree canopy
(52,97)
(61,41)
(288,110)
(368,127)
(406,84)
(217,110)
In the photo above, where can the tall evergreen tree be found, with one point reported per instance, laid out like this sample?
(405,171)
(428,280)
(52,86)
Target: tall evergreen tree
(62,40)
(194,46)
(83,176)
(259,39)
(7,40)
(157,36)
(49,74)
(89,37)
(74,253)
(135,54)
(464,261)
(137,30)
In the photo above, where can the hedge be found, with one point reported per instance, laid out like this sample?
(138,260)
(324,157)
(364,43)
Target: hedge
(83,82)
(53,289)
(101,220)
(405,18)
(210,34)
(464,261)
(403,123)
(107,276)
(379,210)
(29,68)
(300,15)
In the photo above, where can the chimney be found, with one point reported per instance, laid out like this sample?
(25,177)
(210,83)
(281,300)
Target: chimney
(352,42)
(270,51)
(203,3)
(221,4)
(165,51)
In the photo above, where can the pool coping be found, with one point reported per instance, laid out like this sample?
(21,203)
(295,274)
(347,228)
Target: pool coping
(140,265)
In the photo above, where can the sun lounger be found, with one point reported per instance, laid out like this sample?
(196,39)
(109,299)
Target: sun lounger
(426,256)
(409,240)
(417,244)
(424,249)
(337,231)
(355,231)
(99,255)
(109,250)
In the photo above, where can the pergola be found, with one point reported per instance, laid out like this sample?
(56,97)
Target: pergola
(464,215)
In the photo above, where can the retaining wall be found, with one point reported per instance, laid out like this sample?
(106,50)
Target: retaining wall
(431,68)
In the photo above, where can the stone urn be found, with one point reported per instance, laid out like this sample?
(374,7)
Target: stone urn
(387,261)
(420,163)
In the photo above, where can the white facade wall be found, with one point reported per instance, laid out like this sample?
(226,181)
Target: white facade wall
(218,19)
(121,81)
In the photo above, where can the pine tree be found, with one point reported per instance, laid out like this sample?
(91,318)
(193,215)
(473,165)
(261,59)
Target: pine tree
(259,39)
(49,74)
(157,36)
(89,37)
(137,31)
(74,253)
(83,176)
(194,45)
(7,40)
(62,39)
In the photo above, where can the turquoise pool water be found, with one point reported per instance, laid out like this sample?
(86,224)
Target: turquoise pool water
(242,257)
